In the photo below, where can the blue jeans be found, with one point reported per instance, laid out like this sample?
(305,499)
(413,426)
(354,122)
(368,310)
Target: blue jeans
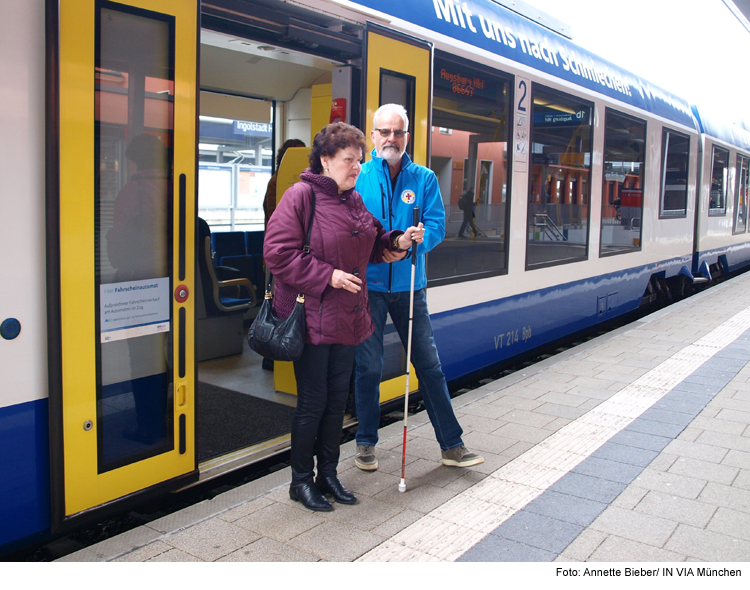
(424,357)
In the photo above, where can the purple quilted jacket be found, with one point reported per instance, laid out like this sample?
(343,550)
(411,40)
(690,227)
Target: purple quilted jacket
(344,236)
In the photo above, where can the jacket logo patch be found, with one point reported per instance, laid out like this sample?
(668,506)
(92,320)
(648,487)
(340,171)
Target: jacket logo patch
(408,197)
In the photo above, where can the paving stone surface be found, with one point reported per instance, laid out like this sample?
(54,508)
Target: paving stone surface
(599,454)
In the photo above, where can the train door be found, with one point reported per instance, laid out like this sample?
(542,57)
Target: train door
(121,208)
(397,69)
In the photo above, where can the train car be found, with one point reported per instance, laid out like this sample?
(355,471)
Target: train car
(138,141)
(721,219)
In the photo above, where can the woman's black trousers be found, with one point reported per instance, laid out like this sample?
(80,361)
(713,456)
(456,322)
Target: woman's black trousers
(323,373)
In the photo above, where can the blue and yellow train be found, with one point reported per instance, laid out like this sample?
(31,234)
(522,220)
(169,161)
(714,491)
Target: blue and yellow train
(138,138)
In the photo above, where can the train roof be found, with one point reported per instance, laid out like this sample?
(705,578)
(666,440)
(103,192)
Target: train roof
(494,28)
(714,125)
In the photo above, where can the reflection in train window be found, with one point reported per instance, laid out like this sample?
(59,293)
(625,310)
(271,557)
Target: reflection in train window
(235,157)
(674,173)
(717,198)
(741,195)
(470,137)
(134,123)
(558,205)
(622,191)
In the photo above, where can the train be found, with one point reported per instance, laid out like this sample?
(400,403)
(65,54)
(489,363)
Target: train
(123,369)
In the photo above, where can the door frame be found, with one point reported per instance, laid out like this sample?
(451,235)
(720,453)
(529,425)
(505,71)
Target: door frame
(420,120)
(70,55)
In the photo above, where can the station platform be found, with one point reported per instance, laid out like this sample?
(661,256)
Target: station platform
(632,447)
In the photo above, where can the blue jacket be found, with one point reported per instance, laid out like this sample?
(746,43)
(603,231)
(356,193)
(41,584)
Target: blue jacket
(415,186)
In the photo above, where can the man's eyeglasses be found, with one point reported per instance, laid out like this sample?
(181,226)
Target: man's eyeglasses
(397,133)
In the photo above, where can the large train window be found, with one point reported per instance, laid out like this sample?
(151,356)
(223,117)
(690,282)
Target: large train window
(235,154)
(558,206)
(717,198)
(741,194)
(470,138)
(134,125)
(674,173)
(622,191)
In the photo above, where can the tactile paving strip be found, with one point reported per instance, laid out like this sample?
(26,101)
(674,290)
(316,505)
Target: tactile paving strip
(449,531)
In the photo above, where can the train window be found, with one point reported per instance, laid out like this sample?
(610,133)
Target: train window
(558,204)
(674,173)
(134,123)
(622,192)
(717,198)
(235,156)
(741,194)
(398,88)
(471,163)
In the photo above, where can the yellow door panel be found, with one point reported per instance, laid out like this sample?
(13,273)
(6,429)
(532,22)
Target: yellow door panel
(127,137)
(393,56)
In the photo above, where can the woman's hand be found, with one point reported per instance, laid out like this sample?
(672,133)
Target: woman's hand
(343,280)
(415,234)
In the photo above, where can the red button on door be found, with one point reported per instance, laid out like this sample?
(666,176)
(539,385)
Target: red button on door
(181,293)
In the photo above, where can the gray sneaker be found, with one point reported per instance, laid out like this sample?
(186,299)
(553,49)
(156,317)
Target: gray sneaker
(365,459)
(461,457)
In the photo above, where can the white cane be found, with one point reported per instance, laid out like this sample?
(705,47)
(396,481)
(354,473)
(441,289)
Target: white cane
(402,485)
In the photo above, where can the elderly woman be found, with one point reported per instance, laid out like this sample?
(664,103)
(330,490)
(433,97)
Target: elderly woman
(344,238)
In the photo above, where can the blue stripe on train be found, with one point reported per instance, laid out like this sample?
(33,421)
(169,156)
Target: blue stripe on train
(478,336)
(24,472)
(732,258)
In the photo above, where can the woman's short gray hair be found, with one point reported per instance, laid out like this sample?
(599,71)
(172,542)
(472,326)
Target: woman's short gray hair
(397,108)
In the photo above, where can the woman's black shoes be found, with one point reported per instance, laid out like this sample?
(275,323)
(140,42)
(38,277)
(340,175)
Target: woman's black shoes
(310,496)
(331,485)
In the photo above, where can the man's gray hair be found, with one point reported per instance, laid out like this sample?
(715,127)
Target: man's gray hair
(397,108)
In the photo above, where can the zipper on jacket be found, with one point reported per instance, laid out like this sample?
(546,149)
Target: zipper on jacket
(390,216)
(320,309)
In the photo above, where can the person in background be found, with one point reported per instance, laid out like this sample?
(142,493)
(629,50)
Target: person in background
(344,238)
(466,204)
(269,201)
(137,248)
(137,242)
(391,186)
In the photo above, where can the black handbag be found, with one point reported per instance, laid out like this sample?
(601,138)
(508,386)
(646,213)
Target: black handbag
(280,339)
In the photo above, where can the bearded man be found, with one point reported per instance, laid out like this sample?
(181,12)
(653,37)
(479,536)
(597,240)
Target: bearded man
(391,186)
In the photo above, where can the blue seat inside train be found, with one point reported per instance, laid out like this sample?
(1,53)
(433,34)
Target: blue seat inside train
(225,294)
(228,243)
(231,250)
(254,242)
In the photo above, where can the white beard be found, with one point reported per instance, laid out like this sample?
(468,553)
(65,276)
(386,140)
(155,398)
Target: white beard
(391,154)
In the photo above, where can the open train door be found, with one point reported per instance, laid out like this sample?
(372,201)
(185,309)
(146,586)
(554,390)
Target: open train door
(397,68)
(122,84)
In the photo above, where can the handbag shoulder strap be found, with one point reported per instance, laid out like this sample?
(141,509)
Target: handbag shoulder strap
(306,247)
